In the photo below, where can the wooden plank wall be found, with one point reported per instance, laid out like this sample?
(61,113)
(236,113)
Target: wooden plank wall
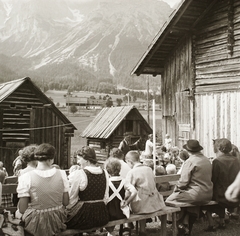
(217,51)
(217,116)
(217,48)
(50,130)
(178,76)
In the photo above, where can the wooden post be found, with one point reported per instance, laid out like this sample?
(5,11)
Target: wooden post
(148,99)
(154,137)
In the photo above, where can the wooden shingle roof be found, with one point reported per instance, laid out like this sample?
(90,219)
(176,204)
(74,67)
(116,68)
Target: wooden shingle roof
(6,89)
(182,20)
(108,119)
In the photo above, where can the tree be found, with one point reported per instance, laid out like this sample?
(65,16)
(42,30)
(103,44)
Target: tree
(119,101)
(73,108)
(109,102)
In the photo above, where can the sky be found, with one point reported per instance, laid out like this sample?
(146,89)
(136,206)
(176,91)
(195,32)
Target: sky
(172,2)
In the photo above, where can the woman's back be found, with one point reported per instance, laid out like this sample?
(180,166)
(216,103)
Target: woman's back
(46,192)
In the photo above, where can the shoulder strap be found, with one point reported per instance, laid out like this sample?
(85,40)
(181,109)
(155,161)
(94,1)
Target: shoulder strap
(115,191)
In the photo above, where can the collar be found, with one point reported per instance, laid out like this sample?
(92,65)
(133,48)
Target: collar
(115,178)
(137,165)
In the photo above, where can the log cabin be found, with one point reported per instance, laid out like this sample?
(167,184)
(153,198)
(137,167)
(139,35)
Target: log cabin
(28,116)
(197,54)
(107,129)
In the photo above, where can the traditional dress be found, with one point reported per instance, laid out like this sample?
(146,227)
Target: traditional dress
(45,214)
(88,198)
(148,198)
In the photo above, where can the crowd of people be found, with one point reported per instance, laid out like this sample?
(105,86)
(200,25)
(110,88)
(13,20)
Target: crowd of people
(91,195)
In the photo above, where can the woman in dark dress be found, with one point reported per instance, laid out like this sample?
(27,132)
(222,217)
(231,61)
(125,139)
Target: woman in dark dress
(88,193)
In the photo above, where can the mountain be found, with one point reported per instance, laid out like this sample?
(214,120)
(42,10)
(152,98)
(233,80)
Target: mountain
(62,39)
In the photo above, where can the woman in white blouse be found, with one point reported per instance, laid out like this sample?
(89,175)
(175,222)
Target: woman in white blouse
(88,193)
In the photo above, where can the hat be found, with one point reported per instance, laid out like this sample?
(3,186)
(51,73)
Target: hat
(128,134)
(88,154)
(193,146)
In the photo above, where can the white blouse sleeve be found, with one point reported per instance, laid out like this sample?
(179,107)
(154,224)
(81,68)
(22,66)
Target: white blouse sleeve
(106,195)
(24,183)
(77,181)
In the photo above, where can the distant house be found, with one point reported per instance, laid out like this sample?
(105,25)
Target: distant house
(77,101)
(28,116)
(108,127)
(197,54)
(84,102)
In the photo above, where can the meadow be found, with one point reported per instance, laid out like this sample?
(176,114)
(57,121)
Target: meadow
(83,117)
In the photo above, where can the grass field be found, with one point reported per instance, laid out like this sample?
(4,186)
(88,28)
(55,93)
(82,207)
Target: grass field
(83,117)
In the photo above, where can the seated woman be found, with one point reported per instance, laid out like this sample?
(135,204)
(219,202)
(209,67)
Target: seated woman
(194,186)
(225,168)
(29,159)
(88,193)
(43,193)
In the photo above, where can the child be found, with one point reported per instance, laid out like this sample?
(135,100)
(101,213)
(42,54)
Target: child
(168,142)
(121,192)
(142,178)
(43,193)
(73,168)
(3,168)
(183,156)
(171,169)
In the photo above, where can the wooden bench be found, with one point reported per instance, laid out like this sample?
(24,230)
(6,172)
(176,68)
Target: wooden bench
(134,218)
(172,179)
(162,214)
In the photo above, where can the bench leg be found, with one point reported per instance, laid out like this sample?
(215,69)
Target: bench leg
(174,224)
(163,225)
(137,227)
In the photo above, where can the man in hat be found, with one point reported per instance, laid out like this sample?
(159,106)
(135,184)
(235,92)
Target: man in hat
(194,186)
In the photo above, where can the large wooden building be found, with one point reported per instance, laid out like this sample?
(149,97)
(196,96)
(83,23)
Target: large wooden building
(28,116)
(197,54)
(108,127)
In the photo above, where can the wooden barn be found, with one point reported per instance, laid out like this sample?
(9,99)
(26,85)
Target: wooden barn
(28,116)
(108,127)
(197,54)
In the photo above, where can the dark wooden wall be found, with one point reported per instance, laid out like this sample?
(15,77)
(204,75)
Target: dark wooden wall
(20,115)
